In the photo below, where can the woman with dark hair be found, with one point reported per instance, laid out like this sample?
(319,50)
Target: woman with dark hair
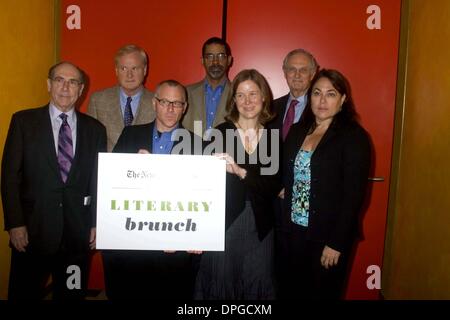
(245,269)
(326,160)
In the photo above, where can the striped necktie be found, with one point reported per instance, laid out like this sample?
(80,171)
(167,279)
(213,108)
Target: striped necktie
(65,148)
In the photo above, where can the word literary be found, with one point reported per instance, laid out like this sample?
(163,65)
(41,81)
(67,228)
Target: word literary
(160,206)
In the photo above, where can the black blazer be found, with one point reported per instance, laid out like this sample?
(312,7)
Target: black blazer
(138,137)
(259,189)
(33,192)
(339,175)
(279,107)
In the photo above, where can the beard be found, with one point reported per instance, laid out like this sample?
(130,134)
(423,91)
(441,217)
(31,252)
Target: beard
(216,71)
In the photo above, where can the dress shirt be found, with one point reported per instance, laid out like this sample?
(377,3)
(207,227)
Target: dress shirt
(57,122)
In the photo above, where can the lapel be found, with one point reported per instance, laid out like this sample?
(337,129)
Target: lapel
(284,102)
(116,117)
(144,109)
(81,138)
(298,141)
(49,141)
(149,136)
(198,95)
(281,110)
(327,138)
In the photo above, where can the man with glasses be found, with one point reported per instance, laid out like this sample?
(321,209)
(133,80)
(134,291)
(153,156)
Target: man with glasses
(299,68)
(208,98)
(154,274)
(48,187)
(129,102)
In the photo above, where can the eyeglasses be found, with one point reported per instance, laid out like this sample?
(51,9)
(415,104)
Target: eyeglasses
(293,70)
(60,81)
(219,56)
(165,103)
(252,96)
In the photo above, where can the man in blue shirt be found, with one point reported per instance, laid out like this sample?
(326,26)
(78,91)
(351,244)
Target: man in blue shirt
(154,274)
(208,98)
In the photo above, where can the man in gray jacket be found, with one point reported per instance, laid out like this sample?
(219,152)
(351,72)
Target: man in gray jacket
(129,102)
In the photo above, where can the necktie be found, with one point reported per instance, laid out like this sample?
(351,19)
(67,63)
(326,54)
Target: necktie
(289,118)
(128,114)
(65,148)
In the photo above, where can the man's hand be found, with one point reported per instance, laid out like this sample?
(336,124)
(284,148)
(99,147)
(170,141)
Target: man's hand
(19,238)
(93,238)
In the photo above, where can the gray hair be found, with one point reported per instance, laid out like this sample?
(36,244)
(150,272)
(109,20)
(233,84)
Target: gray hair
(51,71)
(130,48)
(313,62)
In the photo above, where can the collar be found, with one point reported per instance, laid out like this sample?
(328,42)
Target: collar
(301,100)
(55,112)
(221,85)
(124,96)
(158,134)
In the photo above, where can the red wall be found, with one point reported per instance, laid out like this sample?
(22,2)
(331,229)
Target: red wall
(171,32)
(260,34)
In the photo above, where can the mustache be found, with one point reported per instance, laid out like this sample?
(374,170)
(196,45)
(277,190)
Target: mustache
(216,68)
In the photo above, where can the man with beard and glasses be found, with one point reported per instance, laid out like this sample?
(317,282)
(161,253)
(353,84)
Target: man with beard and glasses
(209,97)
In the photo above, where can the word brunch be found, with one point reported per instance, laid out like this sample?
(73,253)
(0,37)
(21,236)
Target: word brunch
(160,207)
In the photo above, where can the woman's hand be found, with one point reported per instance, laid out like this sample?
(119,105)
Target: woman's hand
(143,151)
(195,251)
(330,257)
(281,194)
(232,166)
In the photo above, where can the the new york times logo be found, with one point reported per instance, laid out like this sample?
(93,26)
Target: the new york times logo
(140,174)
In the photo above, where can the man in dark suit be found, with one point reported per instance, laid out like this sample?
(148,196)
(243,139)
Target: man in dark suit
(299,68)
(154,274)
(209,98)
(49,190)
(129,102)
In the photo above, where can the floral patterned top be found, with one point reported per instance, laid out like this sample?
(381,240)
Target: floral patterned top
(301,188)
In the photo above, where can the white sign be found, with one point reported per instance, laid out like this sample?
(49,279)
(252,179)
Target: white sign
(160,202)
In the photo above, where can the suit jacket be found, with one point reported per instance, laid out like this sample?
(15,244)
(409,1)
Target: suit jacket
(197,107)
(33,192)
(261,190)
(180,267)
(339,175)
(105,106)
(279,107)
